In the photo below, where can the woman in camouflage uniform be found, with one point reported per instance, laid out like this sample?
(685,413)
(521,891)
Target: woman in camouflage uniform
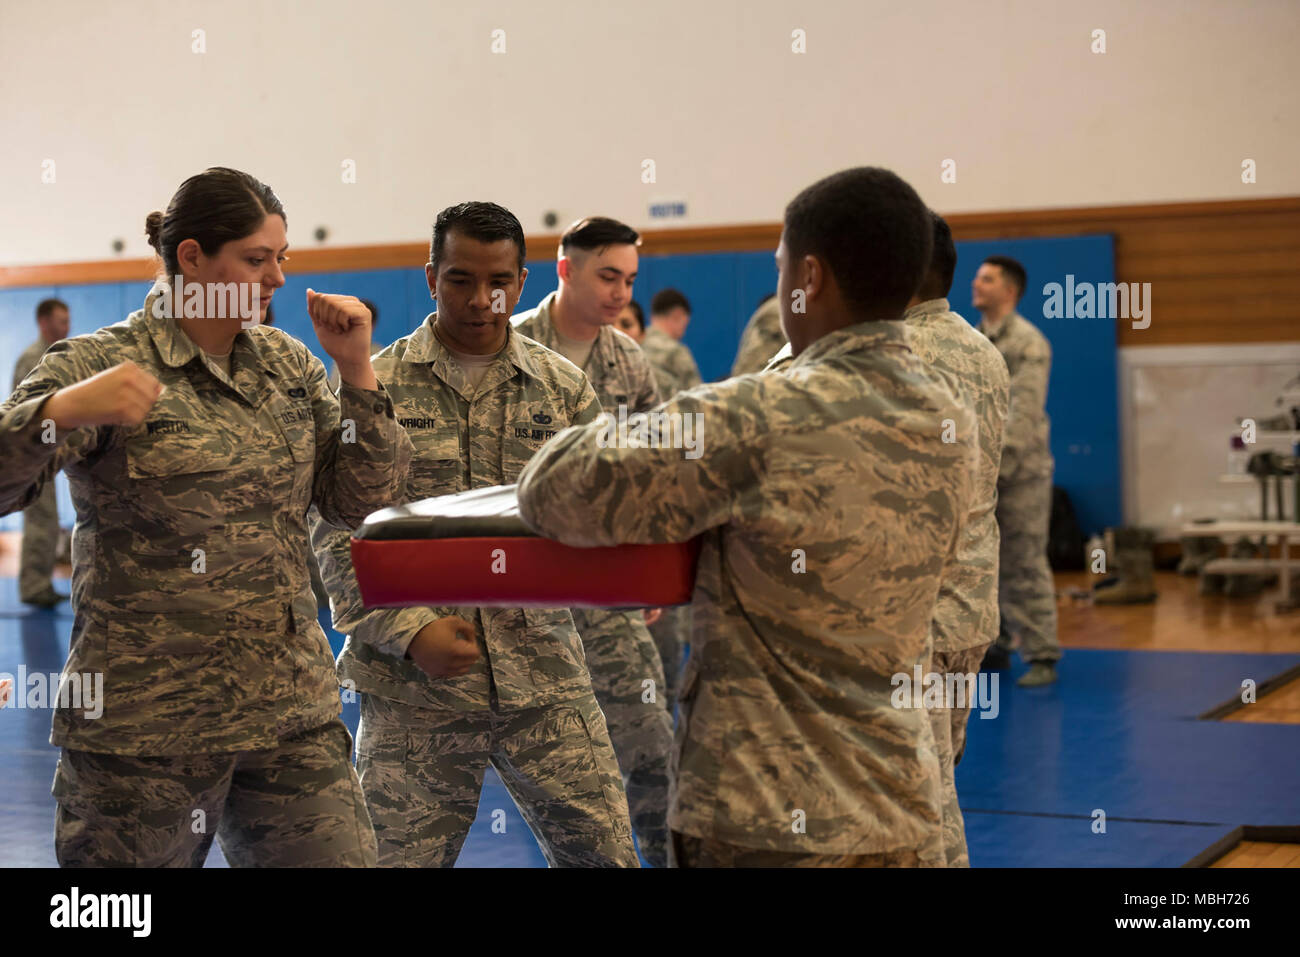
(194,446)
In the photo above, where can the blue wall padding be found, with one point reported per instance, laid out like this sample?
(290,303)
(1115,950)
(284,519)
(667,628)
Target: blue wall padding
(1083,394)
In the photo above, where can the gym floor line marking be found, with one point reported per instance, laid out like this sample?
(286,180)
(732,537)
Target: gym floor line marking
(1088,817)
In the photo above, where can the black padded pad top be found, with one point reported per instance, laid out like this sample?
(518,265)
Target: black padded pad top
(478,513)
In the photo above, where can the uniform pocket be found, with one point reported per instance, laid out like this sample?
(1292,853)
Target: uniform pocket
(552,643)
(167,674)
(608,777)
(436,467)
(176,496)
(165,454)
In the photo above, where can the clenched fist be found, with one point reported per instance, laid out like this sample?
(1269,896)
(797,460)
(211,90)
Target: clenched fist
(122,395)
(343,327)
(444,648)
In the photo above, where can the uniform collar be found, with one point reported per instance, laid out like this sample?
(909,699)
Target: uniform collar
(176,349)
(926,310)
(784,356)
(996,333)
(423,346)
(542,328)
(860,336)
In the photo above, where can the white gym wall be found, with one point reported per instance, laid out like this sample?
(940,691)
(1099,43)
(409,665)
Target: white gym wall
(735,121)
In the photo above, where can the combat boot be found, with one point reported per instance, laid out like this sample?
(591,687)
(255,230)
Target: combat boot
(1040,673)
(998,655)
(1198,551)
(1136,567)
(1245,584)
(46,599)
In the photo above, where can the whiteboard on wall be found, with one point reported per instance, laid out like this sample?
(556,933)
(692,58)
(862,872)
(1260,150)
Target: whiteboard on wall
(1179,409)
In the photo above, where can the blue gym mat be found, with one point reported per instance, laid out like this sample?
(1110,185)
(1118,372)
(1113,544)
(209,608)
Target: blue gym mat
(1118,732)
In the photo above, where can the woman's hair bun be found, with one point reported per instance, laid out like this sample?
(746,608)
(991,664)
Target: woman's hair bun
(153,229)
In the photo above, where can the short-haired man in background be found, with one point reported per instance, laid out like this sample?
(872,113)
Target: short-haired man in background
(41,519)
(1026,590)
(597,264)
(674,366)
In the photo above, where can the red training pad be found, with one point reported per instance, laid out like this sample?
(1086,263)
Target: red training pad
(538,573)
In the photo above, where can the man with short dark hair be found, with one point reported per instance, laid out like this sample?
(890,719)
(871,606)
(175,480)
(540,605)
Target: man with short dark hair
(445,691)
(1026,591)
(597,264)
(829,503)
(40,540)
(966,614)
(674,366)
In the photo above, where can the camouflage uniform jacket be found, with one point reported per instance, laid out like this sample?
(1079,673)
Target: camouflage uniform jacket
(189,583)
(28,361)
(465,439)
(673,365)
(617,368)
(762,337)
(784,356)
(1026,453)
(967,613)
(829,505)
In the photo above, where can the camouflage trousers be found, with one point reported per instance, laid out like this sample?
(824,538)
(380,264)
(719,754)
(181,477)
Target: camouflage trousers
(690,851)
(40,542)
(949,725)
(628,679)
(1026,590)
(297,805)
(422,771)
(671,634)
